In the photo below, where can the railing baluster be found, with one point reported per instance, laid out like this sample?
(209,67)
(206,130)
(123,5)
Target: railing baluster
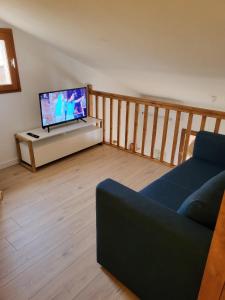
(93,106)
(164,136)
(217,125)
(202,126)
(127,123)
(103,117)
(144,129)
(175,137)
(91,109)
(154,131)
(118,123)
(111,120)
(96,107)
(181,147)
(135,126)
(90,100)
(188,133)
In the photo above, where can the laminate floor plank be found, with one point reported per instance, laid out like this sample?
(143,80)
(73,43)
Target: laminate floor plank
(48,225)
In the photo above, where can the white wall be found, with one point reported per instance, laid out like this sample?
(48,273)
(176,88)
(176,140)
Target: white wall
(42,68)
(190,89)
(173,49)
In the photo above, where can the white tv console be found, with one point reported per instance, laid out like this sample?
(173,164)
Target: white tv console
(58,143)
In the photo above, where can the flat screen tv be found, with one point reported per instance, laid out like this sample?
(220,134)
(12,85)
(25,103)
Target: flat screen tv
(63,106)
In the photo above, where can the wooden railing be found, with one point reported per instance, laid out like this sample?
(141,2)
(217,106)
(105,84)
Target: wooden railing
(159,130)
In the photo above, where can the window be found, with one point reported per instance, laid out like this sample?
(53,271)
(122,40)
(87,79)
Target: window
(9,76)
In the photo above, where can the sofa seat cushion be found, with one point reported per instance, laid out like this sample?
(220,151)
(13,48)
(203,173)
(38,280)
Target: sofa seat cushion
(166,193)
(203,205)
(192,174)
(174,187)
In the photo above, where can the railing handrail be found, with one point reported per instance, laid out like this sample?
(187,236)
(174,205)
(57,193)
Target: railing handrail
(161,104)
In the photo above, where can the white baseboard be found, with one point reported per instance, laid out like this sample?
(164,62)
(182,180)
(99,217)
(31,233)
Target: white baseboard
(8,163)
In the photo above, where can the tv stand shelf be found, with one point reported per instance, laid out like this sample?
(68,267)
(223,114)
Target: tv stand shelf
(58,143)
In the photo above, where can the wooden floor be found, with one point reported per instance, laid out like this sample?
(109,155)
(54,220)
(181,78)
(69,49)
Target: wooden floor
(47,225)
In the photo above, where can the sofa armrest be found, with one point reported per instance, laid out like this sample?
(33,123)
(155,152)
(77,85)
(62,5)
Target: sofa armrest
(210,147)
(149,247)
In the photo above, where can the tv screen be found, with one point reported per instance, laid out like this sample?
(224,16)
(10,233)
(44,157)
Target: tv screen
(63,106)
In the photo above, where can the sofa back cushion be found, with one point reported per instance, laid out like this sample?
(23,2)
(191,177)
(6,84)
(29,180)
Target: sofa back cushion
(210,147)
(203,205)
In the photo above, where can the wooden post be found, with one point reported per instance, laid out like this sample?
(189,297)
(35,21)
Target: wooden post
(127,123)
(96,107)
(217,125)
(181,148)
(144,129)
(202,126)
(103,117)
(118,123)
(188,133)
(1,195)
(175,137)
(111,120)
(164,136)
(135,126)
(213,282)
(154,131)
(90,102)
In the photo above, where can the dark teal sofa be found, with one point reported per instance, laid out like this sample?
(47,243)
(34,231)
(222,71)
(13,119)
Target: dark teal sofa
(156,241)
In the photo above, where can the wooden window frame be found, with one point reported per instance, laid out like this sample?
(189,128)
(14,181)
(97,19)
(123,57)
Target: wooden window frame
(6,34)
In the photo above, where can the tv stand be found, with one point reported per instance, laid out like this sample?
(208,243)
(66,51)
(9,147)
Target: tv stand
(48,127)
(60,142)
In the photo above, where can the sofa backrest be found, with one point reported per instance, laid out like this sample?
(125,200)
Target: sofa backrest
(210,147)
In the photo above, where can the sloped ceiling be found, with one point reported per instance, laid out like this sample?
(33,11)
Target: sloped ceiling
(140,42)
